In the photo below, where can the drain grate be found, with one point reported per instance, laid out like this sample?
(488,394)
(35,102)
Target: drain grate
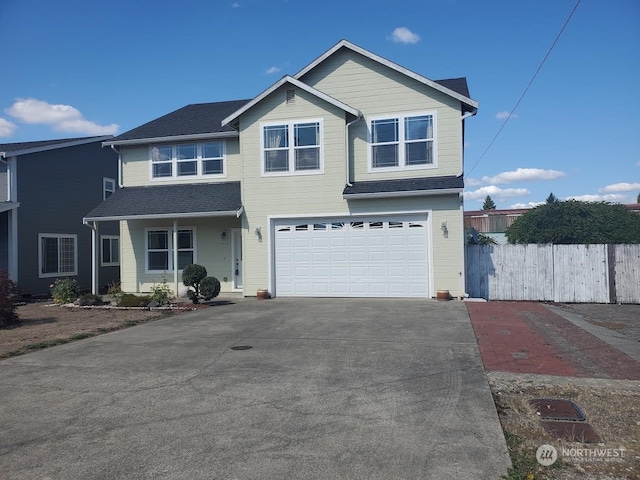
(572,431)
(557,409)
(241,347)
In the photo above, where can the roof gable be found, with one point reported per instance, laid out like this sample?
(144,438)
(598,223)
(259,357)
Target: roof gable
(232,119)
(456,88)
(198,120)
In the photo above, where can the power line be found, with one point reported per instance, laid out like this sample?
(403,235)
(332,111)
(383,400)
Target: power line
(506,120)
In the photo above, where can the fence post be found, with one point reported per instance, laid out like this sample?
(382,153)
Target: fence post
(611,260)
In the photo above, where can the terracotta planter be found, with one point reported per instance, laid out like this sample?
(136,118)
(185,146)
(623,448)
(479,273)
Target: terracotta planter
(443,295)
(262,294)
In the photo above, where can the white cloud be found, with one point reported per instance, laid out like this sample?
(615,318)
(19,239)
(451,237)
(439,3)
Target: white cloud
(7,128)
(272,70)
(620,187)
(235,5)
(472,182)
(404,35)
(526,205)
(495,192)
(504,114)
(63,118)
(524,174)
(599,198)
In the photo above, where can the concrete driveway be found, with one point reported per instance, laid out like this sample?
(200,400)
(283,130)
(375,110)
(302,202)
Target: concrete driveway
(332,389)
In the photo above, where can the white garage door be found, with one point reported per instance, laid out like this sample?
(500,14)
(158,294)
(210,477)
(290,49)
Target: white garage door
(362,257)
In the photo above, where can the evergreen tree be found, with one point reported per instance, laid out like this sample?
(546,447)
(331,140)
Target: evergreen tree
(488,204)
(552,198)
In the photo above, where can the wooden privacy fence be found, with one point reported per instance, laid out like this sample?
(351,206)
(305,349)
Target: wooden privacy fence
(559,273)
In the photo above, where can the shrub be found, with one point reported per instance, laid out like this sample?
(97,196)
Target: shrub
(161,293)
(209,288)
(89,299)
(64,290)
(8,289)
(192,275)
(115,290)
(131,300)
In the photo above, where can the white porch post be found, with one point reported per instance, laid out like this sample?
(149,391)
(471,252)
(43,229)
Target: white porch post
(95,251)
(175,256)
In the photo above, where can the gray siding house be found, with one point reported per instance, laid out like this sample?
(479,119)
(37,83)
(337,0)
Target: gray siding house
(45,189)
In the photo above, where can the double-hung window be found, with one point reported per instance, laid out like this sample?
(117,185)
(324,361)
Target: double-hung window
(108,187)
(187,160)
(57,255)
(110,250)
(402,141)
(159,249)
(292,148)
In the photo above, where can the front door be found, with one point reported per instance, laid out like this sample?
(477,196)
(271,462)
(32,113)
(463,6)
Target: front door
(236,255)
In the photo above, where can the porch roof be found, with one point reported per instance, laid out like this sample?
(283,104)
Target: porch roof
(170,201)
(405,187)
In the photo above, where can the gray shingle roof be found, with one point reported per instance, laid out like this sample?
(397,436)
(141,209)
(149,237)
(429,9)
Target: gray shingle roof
(166,200)
(20,146)
(458,85)
(198,118)
(426,184)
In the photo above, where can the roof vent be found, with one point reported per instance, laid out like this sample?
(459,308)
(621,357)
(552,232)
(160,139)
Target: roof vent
(291,96)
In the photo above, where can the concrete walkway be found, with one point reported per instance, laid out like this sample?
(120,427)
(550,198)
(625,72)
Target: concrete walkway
(331,389)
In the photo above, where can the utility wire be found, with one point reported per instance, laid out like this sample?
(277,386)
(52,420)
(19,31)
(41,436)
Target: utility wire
(506,120)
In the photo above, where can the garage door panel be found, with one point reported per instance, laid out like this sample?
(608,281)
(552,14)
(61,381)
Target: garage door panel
(374,257)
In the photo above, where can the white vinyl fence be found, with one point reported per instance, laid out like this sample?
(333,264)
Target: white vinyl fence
(560,273)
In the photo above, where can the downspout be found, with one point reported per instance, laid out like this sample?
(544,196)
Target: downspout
(119,165)
(463,275)
(94,268)
(346,148)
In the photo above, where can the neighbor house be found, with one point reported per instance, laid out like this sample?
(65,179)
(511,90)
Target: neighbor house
(46,187)
(344,179)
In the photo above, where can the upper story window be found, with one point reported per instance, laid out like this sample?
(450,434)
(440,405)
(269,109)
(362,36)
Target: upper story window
(402,142)
(108,187)
(187,160)
(292,148)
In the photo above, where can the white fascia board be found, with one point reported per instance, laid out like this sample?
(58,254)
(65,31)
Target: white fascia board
(173,138)
(410,193)
(387,63)
(229,213)
(55,146)
(295,83)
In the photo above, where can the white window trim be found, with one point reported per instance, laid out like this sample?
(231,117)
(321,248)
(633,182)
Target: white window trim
(169,231)
(105,180)
(401,142)
(291,149)
(109,237)
(75,255)
(199,159)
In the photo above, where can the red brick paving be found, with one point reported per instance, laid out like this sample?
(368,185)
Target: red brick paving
(527,337)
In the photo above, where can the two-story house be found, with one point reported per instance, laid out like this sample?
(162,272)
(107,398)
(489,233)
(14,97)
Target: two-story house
(46,188)
(344,179)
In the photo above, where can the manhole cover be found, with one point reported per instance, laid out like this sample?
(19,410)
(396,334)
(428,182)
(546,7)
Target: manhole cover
(241,347)
(572,431)
(557,409)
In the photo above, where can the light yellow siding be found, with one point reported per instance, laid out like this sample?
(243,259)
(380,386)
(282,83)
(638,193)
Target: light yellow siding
(212,251)
(136,166)
(376,90)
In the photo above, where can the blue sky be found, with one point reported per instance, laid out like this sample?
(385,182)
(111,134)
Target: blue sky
(77,67)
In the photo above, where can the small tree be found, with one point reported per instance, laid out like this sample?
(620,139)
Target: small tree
(552,198)
(8,289)
(488,204)
(192,275)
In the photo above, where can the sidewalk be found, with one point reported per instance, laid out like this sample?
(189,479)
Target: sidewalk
(529,337)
